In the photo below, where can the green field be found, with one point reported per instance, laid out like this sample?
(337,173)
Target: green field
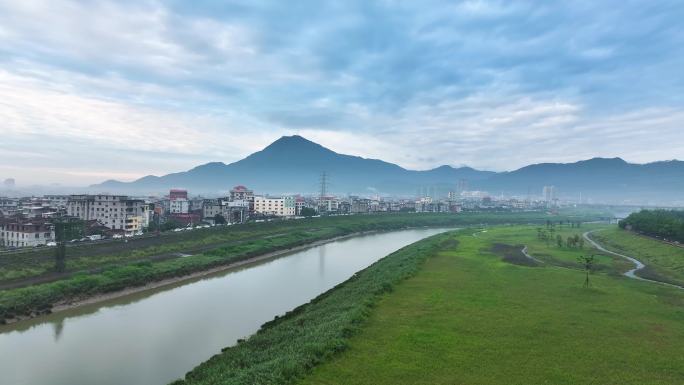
(468,317)
(28,264)
(249,241)
(468,307)
(664,262)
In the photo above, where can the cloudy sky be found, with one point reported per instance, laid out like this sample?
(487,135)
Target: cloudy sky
(92,90)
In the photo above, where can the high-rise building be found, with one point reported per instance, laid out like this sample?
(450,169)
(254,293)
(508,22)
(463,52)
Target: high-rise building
(549,193)
(462,186)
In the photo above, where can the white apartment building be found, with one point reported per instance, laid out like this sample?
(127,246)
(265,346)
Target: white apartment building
(179,206)
(26,234)
(282,207)
(111,211)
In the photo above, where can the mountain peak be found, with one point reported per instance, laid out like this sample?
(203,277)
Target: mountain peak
(292,142)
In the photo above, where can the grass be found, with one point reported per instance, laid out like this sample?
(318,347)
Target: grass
(468,317)
(25,264)
(664,262)
(289,346)
(264,238)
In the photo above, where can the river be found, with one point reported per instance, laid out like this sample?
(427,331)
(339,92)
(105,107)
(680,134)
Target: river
(155,337)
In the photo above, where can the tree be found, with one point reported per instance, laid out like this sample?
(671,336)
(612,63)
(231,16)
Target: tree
(587,263)
(219,219)
(65,229)
(559,240)
(307,212)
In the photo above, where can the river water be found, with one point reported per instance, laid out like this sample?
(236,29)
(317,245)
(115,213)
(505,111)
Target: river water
(157,336)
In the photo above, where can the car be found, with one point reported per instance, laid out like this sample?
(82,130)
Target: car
(51,244)
(117,236)
(178,229)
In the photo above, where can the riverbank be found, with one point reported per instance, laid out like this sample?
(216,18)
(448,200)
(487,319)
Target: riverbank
(95,299)
(33,301)
(470,316)
(314,332)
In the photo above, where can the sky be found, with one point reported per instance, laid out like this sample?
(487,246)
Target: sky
(96,90)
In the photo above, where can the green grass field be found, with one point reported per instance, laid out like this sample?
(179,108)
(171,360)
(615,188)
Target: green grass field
(469,317)
(664,262)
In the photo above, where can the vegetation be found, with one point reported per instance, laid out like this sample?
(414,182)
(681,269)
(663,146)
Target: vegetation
(664,224)
(88,258)
(287,347)
(263,238)
(471,317)
(664,262)
(308,212)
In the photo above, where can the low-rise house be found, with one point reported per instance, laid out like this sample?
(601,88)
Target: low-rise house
(26,234)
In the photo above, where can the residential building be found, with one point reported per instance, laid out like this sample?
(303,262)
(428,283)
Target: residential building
(178,202)
(282,207)
(26,234)
(112,211)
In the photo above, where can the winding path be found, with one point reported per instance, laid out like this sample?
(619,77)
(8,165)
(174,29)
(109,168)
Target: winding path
(638,264)
(525,253)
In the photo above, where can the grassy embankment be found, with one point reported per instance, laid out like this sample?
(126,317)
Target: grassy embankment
(470,314)
(468,317)
(265,238)
(664,262)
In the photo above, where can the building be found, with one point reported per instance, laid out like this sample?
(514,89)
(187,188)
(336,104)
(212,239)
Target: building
(241,193)
(26,234)
(549,193)
(112,211)
(232,211)
(282,207)
(178,202)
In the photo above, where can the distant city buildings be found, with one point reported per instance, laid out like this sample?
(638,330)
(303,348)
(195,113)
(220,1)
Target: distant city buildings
(27,221)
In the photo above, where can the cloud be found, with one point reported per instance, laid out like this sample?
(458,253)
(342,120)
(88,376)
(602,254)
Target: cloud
(493,84)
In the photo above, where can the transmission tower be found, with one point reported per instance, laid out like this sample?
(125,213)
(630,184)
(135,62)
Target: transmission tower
(323,192)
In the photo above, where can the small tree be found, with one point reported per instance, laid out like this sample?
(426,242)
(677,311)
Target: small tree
(65,229)
(307,212)
(587,263)
(219,219)
(559,240)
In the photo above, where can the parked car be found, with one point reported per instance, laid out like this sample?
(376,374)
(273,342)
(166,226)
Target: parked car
(117,236)
(51,244)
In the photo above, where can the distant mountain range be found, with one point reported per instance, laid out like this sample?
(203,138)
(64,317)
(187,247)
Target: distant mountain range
(293,164)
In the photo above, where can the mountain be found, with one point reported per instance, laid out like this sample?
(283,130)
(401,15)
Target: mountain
(293,164)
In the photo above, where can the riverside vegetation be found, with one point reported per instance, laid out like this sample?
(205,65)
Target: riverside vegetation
(468,307)
(226,246)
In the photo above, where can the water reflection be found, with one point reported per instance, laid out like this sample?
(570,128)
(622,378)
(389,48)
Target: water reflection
(156,336)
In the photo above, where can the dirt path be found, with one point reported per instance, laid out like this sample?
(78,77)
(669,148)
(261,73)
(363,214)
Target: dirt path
(638,264)
(525,253)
